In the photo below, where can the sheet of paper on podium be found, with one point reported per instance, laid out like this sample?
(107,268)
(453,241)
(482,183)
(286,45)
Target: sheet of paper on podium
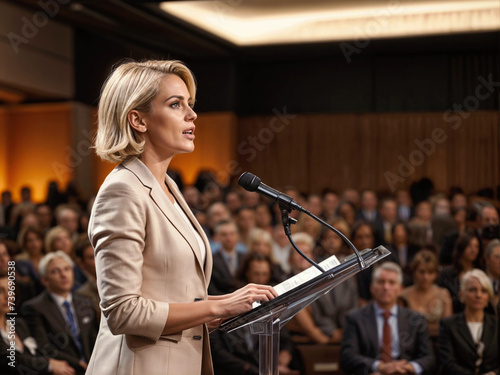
(303,277)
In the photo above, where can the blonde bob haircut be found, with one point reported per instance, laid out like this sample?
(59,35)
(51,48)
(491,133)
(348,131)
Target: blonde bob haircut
(131,86)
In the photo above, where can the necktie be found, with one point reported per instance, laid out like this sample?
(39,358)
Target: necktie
(231,264)
(386,349)
(72,327)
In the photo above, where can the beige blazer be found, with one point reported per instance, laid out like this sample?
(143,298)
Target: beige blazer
(146,257)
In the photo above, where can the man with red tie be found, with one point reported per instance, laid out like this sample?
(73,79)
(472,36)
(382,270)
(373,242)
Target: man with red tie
(384,338)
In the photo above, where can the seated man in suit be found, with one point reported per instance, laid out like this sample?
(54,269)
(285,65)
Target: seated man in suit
(64,324)
(227,260)
(382,337)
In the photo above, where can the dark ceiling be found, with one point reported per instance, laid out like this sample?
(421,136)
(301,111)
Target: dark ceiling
(251,80)
(144,24)
(141,23)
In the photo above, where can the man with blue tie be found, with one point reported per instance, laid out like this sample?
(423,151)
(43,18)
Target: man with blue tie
(64,324)
(384,338)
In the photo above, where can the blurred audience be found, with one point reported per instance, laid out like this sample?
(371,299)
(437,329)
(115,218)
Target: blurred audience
(453,228)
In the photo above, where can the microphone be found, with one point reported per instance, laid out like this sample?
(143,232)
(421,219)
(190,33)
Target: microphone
(252,183)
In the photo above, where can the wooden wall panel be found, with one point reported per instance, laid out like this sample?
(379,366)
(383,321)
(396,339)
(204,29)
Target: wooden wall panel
(308,151)
(381,151)
(276,148)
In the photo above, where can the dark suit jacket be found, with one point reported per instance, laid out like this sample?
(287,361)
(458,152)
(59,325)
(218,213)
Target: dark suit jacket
(457,351)
(49,328)
(360,348)
(25,363)
(222,282)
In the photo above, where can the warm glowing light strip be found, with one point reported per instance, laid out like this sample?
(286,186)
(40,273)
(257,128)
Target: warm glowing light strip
(246,24)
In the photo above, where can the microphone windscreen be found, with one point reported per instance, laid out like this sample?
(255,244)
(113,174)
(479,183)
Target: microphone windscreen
(249,181)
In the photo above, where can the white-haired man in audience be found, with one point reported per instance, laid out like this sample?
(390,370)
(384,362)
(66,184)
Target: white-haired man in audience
(384,338)
(64,324)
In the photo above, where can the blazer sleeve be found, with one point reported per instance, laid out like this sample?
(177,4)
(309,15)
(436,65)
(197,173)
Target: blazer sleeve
(351,361)
(117,231)
(447,354)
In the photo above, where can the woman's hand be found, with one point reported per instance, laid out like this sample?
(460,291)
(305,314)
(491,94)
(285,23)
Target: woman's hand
(213,324)
(241,300)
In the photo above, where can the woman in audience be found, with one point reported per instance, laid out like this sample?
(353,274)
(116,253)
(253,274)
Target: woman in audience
(468,341)
(401,248)
(59,238)
(263,217)
(261,242)
(28,358)
(468,254)
(31,243)
(307,224)
(331,244)
(363,237)
(424,296)
(347,211)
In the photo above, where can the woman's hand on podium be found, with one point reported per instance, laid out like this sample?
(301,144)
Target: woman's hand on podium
(241,300)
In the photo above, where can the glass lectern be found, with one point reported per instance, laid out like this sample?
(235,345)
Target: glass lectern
(267,319)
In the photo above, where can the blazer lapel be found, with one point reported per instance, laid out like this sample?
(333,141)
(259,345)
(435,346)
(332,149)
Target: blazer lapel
(167,208)
(54,314)
(371,329)
(58,320)
(463,330)
(489,329)
(207,267)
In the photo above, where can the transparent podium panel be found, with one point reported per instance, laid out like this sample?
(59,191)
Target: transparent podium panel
(267,319)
